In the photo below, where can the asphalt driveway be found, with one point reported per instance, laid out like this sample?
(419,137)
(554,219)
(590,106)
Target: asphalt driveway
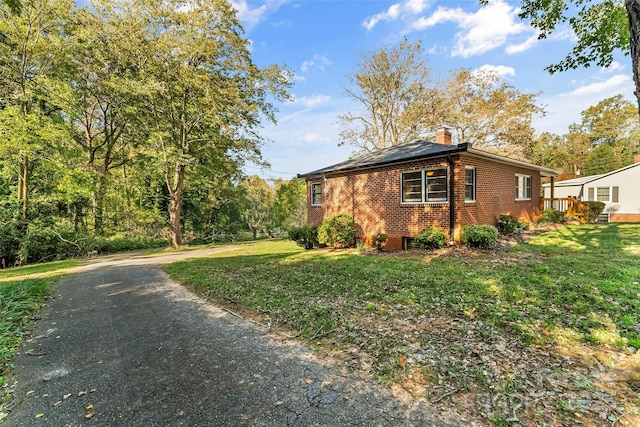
(121,344)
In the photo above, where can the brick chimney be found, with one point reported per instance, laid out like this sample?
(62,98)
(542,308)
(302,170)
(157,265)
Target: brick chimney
(636,158)
(443,136)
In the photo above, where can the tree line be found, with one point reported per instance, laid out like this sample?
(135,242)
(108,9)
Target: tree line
(135,118)
(126,116)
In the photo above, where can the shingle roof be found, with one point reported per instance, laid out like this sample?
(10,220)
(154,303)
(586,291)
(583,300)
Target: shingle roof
(587,179)
(417,149)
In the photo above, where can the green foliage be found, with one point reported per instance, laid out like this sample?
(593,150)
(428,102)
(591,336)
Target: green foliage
(601,28)
(258,200)
(602,159)
(480,236)
(551,215)
(431,238)
(595,209)
(121,243)
(509,224)
(305,236)
(544,292)
(338,231)
(379,240)
(19,301)
(290,204)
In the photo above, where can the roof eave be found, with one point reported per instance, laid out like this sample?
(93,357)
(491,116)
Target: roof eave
(320,172)
(547,172)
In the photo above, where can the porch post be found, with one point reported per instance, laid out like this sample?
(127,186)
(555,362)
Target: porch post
(553,182)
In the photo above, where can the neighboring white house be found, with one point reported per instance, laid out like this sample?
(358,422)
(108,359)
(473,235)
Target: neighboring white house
(619,190)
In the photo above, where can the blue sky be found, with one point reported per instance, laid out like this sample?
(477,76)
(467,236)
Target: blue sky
(321,41)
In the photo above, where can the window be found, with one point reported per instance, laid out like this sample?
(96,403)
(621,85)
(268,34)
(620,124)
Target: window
(436,185)
(603,194)
(424,186)
(316,194)
(470,184)
(412,187)
(523,187)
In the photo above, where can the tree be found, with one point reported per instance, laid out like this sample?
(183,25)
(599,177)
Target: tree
(548,150)
(601,160)
(203,94)
(30,124)
(601,28)
(290,203)
(613,131)
(488,112)
(258,204)
(97,98)
(400,102)
(395,91)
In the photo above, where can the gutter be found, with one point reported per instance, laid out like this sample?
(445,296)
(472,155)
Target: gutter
(452,205)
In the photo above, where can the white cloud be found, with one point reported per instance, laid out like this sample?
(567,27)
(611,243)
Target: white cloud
(565,108)
(480,31)
(315,137)
(614,67)
(522,47)
(320,62)
(416,6)
(392,13)
(599,88)
(312,101)
(252,17)
(500,70)
(406,9)
(440,16)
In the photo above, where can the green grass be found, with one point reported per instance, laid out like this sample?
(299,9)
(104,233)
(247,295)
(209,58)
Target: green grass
(23,290)
(444,319)
(580,282)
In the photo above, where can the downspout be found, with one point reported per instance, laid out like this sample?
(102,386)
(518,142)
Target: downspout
(452,205)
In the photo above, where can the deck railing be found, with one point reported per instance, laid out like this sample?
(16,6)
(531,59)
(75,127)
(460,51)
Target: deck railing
(570,206)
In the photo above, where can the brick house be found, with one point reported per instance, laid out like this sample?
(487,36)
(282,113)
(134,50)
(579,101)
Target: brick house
(402,189)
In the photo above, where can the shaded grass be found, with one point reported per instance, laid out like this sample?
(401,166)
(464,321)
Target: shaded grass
(490,324)
(580,282)
(23,290)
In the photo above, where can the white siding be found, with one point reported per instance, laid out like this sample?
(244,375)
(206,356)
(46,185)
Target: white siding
(563,192)
(628,183)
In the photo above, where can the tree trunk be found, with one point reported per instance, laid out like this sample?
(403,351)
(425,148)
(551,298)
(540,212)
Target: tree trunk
(175,205)
(98,205)
(23,186)
(633,13)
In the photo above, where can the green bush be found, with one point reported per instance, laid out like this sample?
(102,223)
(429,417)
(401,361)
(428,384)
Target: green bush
(121,243)
(42,243)
(379,240)
(479,236)
(509,224)
(595,209)
(338,231)
(305,236)
(552,215)
(431,238)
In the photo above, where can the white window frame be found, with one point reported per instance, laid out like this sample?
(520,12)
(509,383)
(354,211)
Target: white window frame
(313,185)
(521,187)
(472,184)
(424,182)
(609,190)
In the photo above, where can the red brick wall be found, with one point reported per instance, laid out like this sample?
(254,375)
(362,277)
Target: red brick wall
(495,191)
(373,199)
(624,217)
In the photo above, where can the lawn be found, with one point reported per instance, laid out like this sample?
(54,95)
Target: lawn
(539,332)
(23,290)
